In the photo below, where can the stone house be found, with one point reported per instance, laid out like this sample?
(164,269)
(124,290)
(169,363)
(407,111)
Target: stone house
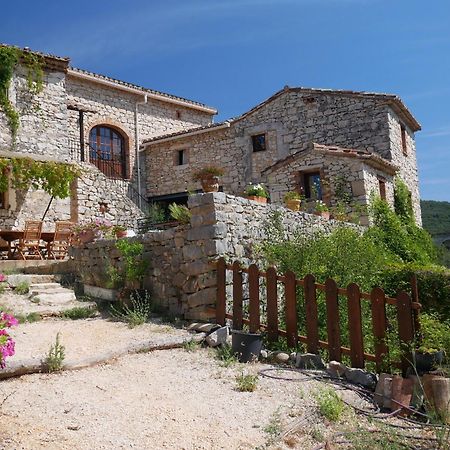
(328,144)
(137,145)
(94,121)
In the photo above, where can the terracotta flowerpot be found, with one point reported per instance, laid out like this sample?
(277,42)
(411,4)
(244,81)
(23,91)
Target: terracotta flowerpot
(294,204)
(258,199)
(210,184)
(84,237)
(121,234)
(402,390)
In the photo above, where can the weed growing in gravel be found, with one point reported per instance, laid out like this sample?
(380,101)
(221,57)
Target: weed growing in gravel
(55,356)
(190,346)
(78,313)
(330,404)
(136,314)
(22,288)
(30,318)
(274,428)
(246,382)
(225,355)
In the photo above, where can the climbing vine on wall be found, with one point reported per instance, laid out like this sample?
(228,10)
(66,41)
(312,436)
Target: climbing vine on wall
(10,57)
(52,177)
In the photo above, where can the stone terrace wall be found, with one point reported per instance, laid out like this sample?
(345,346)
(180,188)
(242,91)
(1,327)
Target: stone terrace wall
(181,275)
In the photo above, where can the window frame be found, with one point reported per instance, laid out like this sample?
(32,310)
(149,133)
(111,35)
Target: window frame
(255,143)
(382,188)
(181,157)
(404,139)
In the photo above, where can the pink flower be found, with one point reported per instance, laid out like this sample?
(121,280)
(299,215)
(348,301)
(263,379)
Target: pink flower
(2,277)
(8,319)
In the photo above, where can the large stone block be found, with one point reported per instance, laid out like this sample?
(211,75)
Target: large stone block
(204,297)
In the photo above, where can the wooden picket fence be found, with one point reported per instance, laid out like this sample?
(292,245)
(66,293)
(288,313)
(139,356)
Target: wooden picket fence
(407,313)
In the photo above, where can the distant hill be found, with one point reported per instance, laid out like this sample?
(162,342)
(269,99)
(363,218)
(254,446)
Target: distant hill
(436,216)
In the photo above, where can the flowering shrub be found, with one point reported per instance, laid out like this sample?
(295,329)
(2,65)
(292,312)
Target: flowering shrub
(320,206)
(257,190)
(96,229)
(6,341)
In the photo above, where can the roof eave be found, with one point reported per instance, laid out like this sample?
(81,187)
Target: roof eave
(188,133)
(143,92)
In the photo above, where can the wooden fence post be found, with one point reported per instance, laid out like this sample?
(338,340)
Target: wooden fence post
(290,292)
(355,326)
(237,296)
(379,324)
(312,322)
(272,304)
(405,328)
(333,327)
(221,292)
(253,287)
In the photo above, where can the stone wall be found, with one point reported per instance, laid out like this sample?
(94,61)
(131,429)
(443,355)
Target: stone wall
(407,163)
(43,117)
(93,188)
(181,275)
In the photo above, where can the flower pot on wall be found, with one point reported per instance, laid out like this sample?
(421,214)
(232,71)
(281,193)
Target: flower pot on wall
(121,234)
(210,184)
(257,198)
(293,204)
(324,214)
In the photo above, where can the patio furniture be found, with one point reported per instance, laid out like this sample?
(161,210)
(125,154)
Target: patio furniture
(29,246)
(59,246)
(13,235)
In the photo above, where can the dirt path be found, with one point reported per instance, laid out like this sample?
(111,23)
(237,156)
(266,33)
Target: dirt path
(161,400)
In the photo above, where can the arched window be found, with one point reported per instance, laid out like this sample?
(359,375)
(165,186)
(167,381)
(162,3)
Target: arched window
(108,151)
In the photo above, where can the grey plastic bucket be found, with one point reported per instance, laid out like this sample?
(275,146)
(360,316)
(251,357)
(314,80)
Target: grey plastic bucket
(247,346)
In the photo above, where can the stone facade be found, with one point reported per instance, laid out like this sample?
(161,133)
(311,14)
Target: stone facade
(181,275)
(50,130)
(290,120)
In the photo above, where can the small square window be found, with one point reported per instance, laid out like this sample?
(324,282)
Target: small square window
(259,142)
(181,158)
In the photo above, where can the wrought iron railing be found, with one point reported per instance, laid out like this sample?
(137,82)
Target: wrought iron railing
(109,169)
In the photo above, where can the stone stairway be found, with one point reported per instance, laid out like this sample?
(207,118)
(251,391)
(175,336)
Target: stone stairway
(46,296)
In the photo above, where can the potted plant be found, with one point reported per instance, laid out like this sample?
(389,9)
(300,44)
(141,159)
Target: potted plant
(293,200)
(209,178)
(257,192)
(321,209)
(430,345)
(119,231)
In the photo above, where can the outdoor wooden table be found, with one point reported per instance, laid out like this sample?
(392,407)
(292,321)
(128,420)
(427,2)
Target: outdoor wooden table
(13,235)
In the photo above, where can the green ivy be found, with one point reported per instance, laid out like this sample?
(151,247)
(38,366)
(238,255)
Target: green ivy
(52,177)
(10,57)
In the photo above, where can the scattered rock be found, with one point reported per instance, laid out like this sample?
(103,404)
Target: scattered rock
(293,356)
(199,337)
(281,357)
(207,327)
(360,376)
(203,327)
(217,337)
(336,369)
(309,361)
(264,354)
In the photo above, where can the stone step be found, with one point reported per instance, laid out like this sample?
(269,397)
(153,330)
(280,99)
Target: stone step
(15,279)
(51,291)
(54,298)
(44,286)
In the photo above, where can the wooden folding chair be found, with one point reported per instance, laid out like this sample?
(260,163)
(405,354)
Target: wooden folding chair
(29,246)
(59,247)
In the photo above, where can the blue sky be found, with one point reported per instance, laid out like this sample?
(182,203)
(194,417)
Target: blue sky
(232,54)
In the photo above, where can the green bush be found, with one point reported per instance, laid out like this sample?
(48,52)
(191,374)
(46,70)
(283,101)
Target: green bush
(180,213)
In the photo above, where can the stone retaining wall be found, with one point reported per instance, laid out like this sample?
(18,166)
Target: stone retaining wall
(181,275)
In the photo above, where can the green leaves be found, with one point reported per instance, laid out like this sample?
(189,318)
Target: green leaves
(52,177)
(9,58)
